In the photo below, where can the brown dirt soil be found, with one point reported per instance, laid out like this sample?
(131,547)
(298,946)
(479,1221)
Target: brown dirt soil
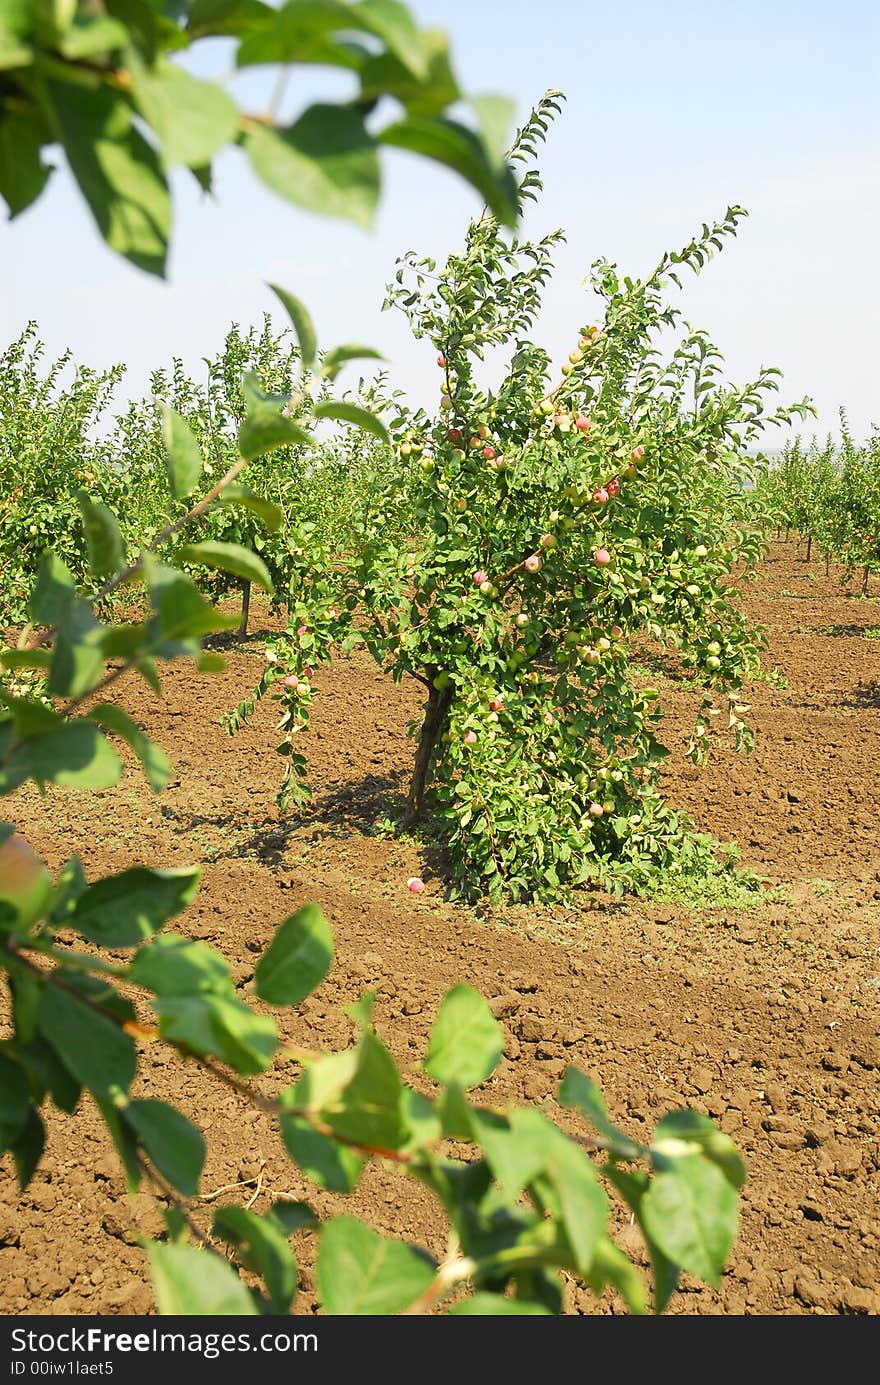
(766,1020)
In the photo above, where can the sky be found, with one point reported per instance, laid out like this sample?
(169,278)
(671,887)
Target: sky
(673,112)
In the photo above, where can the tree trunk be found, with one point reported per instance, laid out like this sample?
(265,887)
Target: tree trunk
(809,546)
(245,607)
(865,583)
(437,706)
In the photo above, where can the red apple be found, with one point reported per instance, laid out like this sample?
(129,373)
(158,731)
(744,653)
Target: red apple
(602,557)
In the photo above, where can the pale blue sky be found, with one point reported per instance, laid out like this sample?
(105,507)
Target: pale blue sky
(674,110)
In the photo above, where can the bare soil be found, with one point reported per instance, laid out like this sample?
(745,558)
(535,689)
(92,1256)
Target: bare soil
(767,1020)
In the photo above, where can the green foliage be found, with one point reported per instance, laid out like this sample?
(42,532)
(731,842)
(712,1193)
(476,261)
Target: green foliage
(830,496)
(106,85)
(560,522)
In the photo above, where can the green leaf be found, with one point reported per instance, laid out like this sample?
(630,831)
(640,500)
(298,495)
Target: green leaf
(452,144)
(42,1061)
(228,557)
(91,1046)
(118,172)
(495,114)
(302,325)
(103,538)
(25,658)
(209,662)
(485,1305)
(384,74)
(330,1165)
(53,592)
(362,1273)
(326,162)
(218,1024)
(190,1282)
(156,763)
(632,1185)
(122,910)
(261,1245)
(76,756)
(183,457)
(368,1109)
(583,1203)
(611,1266)
(516,1149)
(193,119)
(15,1102)
(23,175)
(27,1150)
(27,992)
(361,1010)
(297,959)
(238,497)
(334,359)
(181,616)
(124,1142)
(686,1132)
(352,413)
(581,1092)
(174,966)
(466,1040)
(692,1213)
(232,17)
(265,426)
(172,1142)
(89,38)
(392,22)
(293,1216)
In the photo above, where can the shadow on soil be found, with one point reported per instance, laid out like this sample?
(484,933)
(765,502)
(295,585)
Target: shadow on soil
(866,695)
(343,808)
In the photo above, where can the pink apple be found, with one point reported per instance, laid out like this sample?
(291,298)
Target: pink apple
(613,486)
(470,738)
(291,681)
(415,885)
(600,496)
(480,577)
(441,361)
(582,423)
(616,632)
(596,810)
(25,883)
(496,703)
(302,630)
(454,435)
(521,621)
(638,453)
(533,563)
(489,452)
(602,557)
